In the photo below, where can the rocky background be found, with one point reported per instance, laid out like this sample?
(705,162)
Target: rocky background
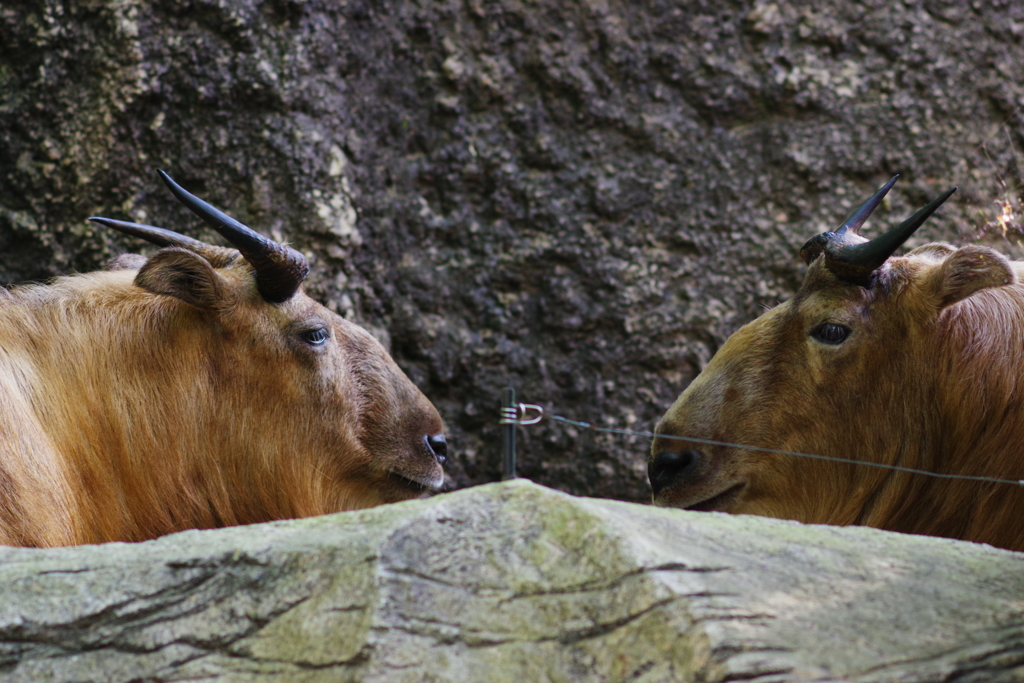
(580,198)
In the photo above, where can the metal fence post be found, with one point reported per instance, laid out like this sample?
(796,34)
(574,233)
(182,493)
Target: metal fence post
(508,438)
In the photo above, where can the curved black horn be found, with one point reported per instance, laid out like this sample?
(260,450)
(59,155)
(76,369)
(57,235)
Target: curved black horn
(858,217)
(817,244)
(856,262)
(279,268)
(162,237)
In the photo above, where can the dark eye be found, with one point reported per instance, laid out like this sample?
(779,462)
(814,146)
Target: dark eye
(831,333)
(316,336)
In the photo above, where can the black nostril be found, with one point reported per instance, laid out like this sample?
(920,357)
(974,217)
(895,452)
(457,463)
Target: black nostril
(667,467)
(438,445)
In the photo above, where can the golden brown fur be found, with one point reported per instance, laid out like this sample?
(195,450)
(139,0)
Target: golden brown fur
(931,377)
(129,411)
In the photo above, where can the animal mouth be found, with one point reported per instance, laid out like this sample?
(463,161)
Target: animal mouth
(415,484)
(718,501)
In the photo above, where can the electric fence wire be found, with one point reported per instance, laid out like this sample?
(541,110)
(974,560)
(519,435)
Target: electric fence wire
(519,417)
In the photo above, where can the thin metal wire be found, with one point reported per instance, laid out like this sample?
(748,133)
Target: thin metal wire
(710,442)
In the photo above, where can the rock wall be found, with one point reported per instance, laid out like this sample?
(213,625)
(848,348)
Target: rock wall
(516,582)
(580,197)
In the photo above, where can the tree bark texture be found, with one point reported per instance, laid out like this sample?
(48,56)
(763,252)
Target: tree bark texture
(580,198)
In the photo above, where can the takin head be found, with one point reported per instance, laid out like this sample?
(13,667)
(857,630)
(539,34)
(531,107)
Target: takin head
(912,361)
(205,389)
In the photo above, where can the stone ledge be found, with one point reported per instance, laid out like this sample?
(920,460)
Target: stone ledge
(516,582)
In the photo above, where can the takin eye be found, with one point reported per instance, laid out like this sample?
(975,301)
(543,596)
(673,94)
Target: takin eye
(316,336)
(831,333)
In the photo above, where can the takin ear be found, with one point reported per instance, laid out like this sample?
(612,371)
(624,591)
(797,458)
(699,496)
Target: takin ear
(968,270)
(184,275)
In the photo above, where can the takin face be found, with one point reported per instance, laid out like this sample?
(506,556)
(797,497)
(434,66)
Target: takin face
(912,361)
(197,388)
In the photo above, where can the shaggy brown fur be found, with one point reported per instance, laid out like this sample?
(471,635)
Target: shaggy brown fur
(137,404)
(931,377)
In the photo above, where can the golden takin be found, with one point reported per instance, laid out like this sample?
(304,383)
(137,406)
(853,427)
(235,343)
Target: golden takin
(197,388)
(915,361)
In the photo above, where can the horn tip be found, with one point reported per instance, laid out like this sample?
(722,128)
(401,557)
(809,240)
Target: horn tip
(168,180)
(947,194)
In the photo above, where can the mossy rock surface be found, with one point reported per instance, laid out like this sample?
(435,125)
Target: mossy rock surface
(515,582)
